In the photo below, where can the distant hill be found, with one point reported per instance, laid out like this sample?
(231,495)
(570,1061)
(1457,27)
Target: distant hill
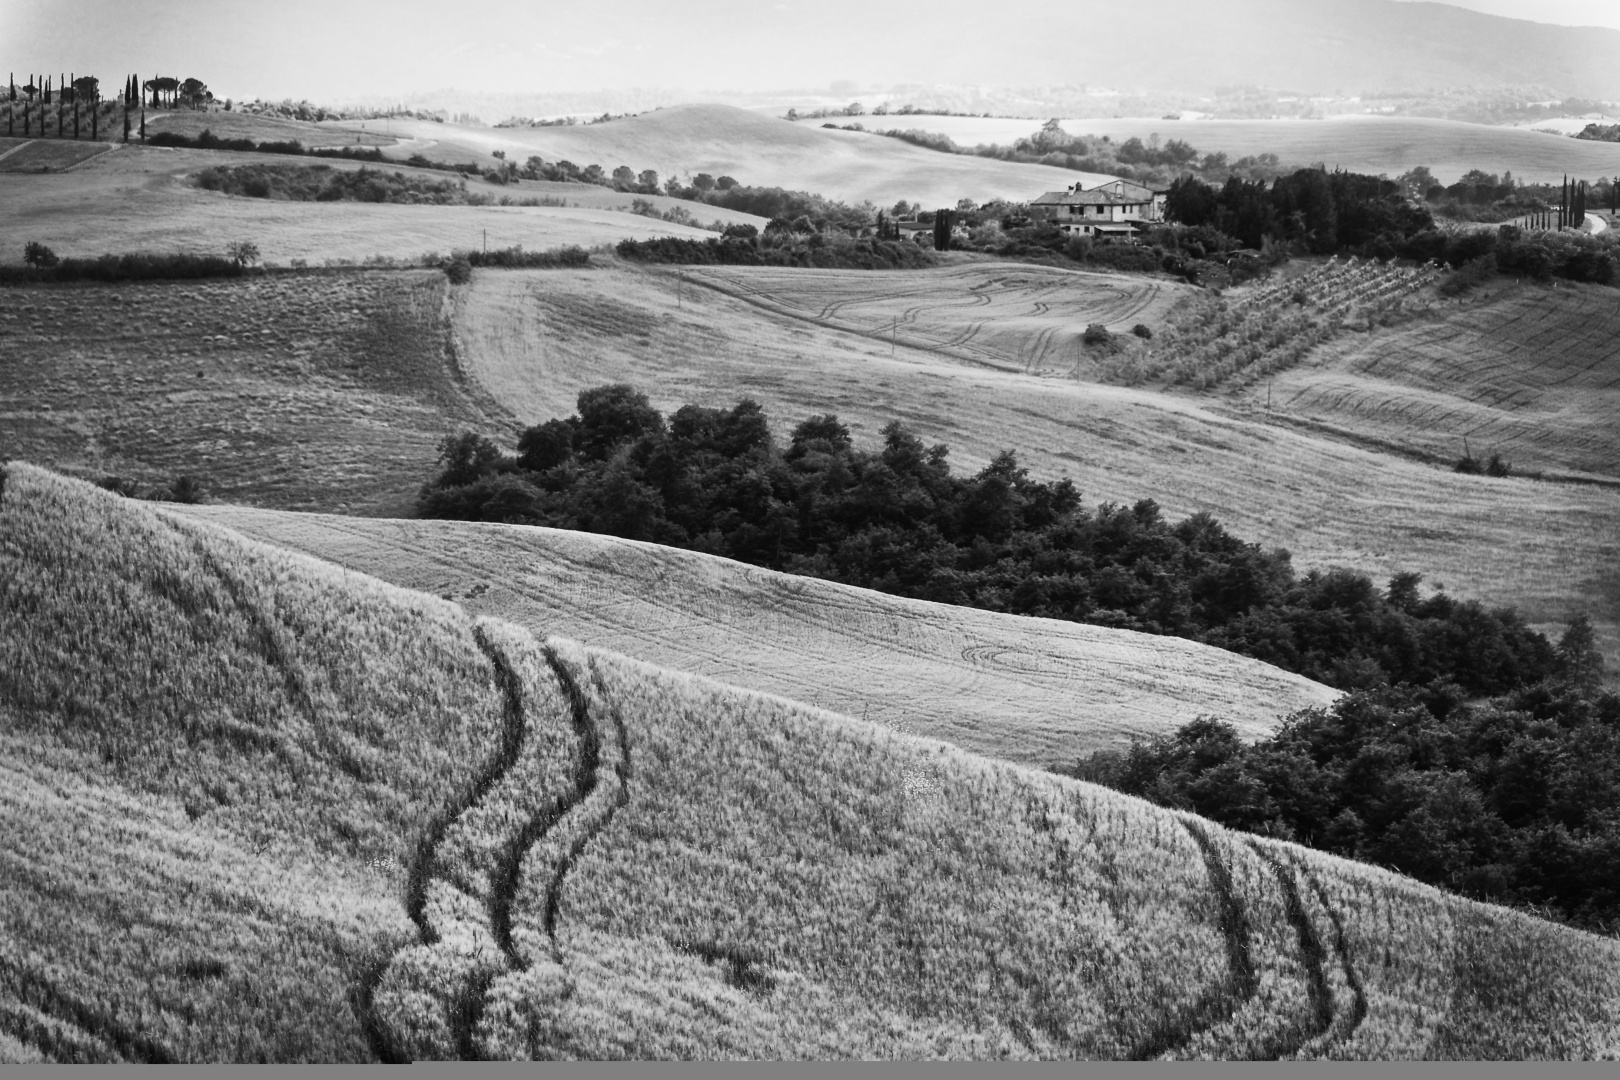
(1314,46)
(294,814)
(756,149)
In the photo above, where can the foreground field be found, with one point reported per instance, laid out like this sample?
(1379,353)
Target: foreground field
(1366,144)
(1551,550)
(354,823)
(320,390)
(140,199)
(1036,691)
(1530,372)
(759,150)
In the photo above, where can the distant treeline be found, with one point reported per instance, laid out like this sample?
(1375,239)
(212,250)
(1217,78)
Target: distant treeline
(1512,799)
(1338,211)
(899,521)
(207,140)
(323,183)
(1146,163)
(137,267)
(744,245)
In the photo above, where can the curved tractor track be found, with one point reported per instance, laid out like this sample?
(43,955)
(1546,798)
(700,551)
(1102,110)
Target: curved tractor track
(573,811)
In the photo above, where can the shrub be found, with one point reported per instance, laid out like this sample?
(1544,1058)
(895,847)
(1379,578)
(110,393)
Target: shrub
(243,252)
(185,489)
(1097,334)
(1143,331)
(39,256)
(458,270)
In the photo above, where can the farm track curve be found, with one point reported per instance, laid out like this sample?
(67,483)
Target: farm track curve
(1320,994)
(39,993)
(1218,1003)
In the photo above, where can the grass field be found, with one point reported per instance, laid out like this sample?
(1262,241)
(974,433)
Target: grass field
(1529,371)
(760,150)
(322,391)
(1367,144)
(1035,691)
(139,199)
(354,823)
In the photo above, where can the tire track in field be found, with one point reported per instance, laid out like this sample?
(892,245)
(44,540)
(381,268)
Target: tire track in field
(588,777)
(1346,1023)
(41,994)
(1318,993)
(1221,1002)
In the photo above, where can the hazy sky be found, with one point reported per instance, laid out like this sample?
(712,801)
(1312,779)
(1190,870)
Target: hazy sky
(332,50)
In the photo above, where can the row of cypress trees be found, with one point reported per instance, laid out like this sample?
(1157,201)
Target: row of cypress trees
(78,91)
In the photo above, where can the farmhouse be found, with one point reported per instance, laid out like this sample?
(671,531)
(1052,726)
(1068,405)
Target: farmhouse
(1118,208)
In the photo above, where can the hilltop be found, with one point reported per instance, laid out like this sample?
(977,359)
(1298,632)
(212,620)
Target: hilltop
(356,823)
(1034,691)
(758,150)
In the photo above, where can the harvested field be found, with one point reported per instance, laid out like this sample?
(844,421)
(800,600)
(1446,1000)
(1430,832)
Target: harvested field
(315,390)
(1530,371)
(1551,550)
(1035,691)
(1010,316)
(353,823)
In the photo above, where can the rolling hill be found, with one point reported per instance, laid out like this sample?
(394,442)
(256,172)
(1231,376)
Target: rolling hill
(1367,144)
(1035,691)
(355,823)
(757,150)
(1549,549)
(135,198)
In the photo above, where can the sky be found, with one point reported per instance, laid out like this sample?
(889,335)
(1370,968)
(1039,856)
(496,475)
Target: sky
(335,51)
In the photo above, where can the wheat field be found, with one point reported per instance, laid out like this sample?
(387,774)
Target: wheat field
(1035,691)
(354,823)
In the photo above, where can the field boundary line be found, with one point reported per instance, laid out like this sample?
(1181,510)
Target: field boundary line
(19,146)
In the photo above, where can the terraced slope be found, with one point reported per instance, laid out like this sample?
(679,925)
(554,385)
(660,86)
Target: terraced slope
(1533,372)
(611,860)
(1035,691)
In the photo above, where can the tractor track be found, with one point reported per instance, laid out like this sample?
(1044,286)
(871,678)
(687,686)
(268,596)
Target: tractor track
(1319,994)
(1221,1002)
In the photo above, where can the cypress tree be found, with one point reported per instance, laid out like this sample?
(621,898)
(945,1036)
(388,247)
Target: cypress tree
(143,115)
(95,112)
(11,105)
(74,83)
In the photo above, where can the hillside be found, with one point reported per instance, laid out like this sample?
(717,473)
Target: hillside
(1035,691)
(1366,144)
(534,343)
(136,198)
(1531,372)
(758,150)
(355,823)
